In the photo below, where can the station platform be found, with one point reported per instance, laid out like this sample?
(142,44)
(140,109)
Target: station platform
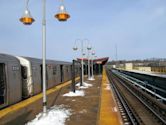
(96,107)
(148,73)
(109,113)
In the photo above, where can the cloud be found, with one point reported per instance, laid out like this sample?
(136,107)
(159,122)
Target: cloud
(160,12)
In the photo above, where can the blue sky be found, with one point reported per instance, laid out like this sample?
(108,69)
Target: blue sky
(137,27)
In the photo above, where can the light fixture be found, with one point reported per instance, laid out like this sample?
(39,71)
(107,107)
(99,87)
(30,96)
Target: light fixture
(89,47)
(75,48)
(62,15)
(93,52)
(26,18)
(83,54)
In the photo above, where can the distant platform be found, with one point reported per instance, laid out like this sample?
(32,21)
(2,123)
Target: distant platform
(148,73)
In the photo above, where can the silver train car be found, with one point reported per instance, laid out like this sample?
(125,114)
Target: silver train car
(21,77)
(10,80)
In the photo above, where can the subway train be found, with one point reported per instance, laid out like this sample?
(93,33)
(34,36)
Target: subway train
(21,77)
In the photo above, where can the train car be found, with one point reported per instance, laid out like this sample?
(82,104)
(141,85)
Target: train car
(31,76)
(67,71)
(77,69)
(53,73)
(21,77)
(10,80)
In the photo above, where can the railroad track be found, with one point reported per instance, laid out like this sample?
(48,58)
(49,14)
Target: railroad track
(135,108)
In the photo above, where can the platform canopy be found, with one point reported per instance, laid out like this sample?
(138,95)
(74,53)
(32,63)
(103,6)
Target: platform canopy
(102,61)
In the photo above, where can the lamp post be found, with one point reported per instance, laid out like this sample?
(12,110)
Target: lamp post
(89,48)
(93,54)
(75,48)
(27,19)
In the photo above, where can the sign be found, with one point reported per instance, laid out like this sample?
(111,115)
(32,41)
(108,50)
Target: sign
(99,62)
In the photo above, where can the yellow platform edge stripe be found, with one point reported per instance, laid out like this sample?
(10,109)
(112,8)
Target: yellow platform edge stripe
(107,115)
(32,99)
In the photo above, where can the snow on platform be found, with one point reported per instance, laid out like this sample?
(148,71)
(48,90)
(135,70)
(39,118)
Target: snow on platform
(84,85)
(77,93)
(108,87)
(57,115)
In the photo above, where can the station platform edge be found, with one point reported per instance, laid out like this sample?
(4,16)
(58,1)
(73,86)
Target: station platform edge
(108,112)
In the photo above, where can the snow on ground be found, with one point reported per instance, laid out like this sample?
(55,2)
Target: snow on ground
(77,93)
(87,84)
(114,109)
(83,111)
(108,87)
(55,116)
(84,85)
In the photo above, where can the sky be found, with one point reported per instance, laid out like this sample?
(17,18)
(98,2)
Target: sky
(136,27)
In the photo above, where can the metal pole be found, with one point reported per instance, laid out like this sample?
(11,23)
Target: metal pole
(88,66)
(80,69)
(73,77)
(92,68)
(99,69)
(82,63)
(44,56)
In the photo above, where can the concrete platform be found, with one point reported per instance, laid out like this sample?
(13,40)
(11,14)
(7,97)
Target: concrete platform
(22,112)
(109,113)
(97,107)
(84,109)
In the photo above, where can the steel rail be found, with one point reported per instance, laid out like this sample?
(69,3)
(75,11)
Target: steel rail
(142,87)
(144,103)
(125,105)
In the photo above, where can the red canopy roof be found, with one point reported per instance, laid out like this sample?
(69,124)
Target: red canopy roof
(97,61)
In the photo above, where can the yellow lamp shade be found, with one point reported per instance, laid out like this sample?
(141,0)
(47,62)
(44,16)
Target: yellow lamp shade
(27,20)
(62,16)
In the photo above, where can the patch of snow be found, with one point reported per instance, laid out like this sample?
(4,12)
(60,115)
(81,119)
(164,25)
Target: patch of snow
(77,93)
(84,85)
(83,111)
(78,84)
(87,84)
(73,100)
(91,79)
(114,109)
(55,116)
(108,87)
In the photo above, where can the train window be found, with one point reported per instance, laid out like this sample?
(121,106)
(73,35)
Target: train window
(2,83)
(24,72)
(54,70)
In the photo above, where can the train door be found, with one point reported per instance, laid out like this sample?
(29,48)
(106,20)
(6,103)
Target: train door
(25,92)
(62,73)
(2,84)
